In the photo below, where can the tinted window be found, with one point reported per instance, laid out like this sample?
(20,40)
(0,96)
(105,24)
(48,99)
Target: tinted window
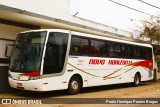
(138,52)
(148,53)
(97,47)
(114,49)
(79,46)
(125,50)
(55,53)
(135,52)
(102,48)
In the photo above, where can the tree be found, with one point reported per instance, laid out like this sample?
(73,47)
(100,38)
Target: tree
(151,29)
(151,33)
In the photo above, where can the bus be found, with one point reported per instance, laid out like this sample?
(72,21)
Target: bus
(56,59)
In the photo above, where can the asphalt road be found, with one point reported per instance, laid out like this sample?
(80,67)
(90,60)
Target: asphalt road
(145,90)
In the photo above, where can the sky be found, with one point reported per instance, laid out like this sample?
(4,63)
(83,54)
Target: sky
(111,14)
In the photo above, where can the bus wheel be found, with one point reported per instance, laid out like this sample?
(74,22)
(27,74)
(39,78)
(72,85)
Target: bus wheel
(154,76)
(74,86)
(137,80)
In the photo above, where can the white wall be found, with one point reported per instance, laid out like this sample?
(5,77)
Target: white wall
(10,32)
(52,8)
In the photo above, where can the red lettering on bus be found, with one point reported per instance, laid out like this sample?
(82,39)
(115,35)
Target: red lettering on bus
(119,62)
(97,61)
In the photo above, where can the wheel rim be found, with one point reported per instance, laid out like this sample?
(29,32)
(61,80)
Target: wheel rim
(74,85)
(137,80)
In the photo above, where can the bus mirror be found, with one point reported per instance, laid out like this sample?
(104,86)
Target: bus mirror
(8,50)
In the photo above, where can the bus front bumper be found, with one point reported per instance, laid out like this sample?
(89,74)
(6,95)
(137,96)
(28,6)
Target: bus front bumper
(32,85)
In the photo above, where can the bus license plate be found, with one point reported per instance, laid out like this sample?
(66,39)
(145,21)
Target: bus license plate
(19,84)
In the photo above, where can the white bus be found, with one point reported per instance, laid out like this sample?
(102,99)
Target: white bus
(55,59)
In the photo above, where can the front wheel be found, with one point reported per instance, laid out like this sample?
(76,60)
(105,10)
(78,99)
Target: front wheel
(137,80)
(74,86)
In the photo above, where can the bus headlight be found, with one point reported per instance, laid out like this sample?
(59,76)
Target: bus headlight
(35,77)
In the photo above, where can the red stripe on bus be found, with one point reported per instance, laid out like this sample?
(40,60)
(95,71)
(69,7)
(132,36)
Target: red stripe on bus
(34,73)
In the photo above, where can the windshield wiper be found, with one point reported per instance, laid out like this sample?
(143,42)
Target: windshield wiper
(18,59)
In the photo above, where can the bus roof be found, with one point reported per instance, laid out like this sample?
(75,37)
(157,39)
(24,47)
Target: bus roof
(99,36)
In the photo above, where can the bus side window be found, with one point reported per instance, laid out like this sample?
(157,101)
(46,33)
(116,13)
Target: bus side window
(125,51)
(79,46)
(132,52)
(136,52)
(111,50)
(84,46)
(86,49)
(102,46)
(114,49)
(107,48)
(95,47)
(98,47)
(142,52)
(75,46)
(149,53)
(117,49)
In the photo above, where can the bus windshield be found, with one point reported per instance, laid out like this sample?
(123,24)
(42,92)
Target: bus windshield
(27,52)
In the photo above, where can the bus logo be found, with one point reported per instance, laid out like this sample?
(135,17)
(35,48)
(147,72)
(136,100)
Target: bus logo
(97,61)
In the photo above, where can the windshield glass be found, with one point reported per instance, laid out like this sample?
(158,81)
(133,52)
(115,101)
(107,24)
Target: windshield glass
(27,52)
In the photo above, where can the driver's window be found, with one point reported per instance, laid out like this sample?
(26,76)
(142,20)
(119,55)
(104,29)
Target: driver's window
(55,53)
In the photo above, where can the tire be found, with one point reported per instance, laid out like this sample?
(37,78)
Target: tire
(154,76)
(137,80)
(74,86)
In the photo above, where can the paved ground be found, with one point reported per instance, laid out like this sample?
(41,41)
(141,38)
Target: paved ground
(146,90)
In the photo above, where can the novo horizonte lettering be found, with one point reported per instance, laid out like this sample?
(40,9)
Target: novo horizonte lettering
(119,62)
(110,62)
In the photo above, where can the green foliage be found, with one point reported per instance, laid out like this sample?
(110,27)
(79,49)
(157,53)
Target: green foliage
(151,29)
